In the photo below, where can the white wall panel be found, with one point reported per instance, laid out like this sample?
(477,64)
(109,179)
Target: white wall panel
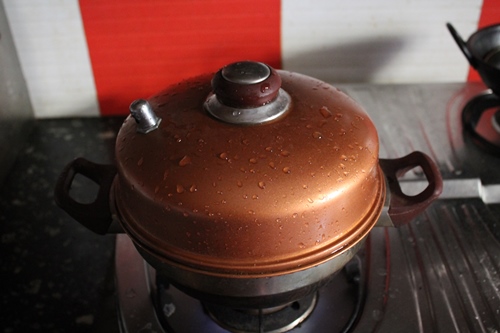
(51,45)
(389,41)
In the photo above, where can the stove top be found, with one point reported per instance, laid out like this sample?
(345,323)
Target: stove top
(440,273)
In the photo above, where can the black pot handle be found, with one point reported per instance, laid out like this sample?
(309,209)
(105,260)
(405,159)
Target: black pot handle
(403,208)
(462,45)
(96,216)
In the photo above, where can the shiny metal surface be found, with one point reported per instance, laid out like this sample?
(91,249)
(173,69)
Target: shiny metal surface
(246,72)
(249,116)
(440,273)
(144,116)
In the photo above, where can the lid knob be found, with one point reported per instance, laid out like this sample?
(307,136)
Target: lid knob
(247,93)
(246,84)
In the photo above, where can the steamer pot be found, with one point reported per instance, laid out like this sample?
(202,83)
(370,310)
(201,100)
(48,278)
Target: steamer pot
(250,187)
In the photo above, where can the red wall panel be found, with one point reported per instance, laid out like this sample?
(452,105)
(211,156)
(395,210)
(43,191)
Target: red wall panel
(139,47)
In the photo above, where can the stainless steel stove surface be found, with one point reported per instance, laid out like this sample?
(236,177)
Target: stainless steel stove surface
(440,273)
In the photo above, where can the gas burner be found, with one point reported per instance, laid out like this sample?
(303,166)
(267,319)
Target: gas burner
(148,301)
(273,320)
(481,119)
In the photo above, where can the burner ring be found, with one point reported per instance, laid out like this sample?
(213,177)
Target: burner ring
(277,321)
(471,117)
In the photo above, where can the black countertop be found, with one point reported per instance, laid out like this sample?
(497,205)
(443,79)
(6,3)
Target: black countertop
(57,276)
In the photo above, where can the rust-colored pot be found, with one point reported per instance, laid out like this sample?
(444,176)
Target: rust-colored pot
(253,185)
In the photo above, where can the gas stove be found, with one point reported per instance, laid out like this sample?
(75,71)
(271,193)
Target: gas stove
(440,273)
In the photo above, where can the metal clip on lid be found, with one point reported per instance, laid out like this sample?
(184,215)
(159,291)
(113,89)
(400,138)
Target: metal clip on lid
(247,93)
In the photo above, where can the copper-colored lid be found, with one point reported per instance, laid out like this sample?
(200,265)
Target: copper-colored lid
(241,199)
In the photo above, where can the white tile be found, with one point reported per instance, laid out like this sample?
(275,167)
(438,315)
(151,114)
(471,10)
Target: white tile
(53,53)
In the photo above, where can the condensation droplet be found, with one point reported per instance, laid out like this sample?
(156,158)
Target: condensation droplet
(310,200)
(140,161)
(325,112)
(165,175)
(223,156)
(286,170)
(157,188)
(262,185)
(302,245)
(180,189)
(193,188)
(342,132)
(252,160)
(239,183)
(304,186)
(269,149)
(272,165)
(343,157)
(285,153)
(295,215)
(317,135)
(185,161)
(338,116)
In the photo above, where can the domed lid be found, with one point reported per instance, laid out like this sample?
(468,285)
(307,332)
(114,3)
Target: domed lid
(251,171)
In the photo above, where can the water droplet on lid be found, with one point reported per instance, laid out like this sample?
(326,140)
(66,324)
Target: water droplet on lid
(342,166)
(269,149)
(239,183)
(264,87)
(302,245)
(338,116)
(255,196)
(325,112)
(317,135)
(285,153)
(252,160)
(286,170)
(140,161)
(223,156)
(262,185)
(180,189)
(185,161)
(342,132)
(245,141)
(343,157)
(294,215)
(310,200)
(157,188)
(236,113)
(193,188)
(304,186)
(272,165)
